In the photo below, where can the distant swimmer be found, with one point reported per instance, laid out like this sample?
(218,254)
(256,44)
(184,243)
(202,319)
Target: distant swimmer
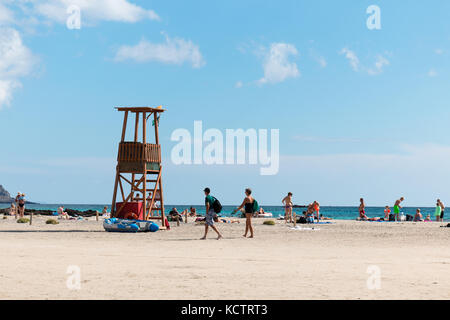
(287,201)
(397,208)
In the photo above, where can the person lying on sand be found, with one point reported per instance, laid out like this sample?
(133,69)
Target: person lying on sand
(222,220)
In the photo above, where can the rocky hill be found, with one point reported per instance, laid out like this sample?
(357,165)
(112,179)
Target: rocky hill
(5,196)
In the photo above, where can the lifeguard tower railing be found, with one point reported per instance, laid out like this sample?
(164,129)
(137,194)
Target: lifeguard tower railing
(133,155)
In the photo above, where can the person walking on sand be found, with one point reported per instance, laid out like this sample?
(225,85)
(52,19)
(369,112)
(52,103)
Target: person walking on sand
(442,209)
(247,204)
(397,208)
(210,214)
(287,201)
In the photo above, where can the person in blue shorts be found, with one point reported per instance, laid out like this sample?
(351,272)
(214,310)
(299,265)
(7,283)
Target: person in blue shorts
(210,214)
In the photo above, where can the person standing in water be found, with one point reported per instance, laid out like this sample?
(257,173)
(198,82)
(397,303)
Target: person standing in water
(210,214)
(397,208)
(442,209)
(287,201)
(247,204)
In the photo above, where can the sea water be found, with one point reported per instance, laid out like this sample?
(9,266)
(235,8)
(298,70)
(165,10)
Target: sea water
(344,213)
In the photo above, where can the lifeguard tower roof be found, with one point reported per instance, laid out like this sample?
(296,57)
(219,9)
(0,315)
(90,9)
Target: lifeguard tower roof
(141,109)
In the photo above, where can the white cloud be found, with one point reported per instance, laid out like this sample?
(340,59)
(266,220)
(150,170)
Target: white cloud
(303,138)
(318,58)
(352,58)
(6,15)
(439,51)
(239,84)
(277,66)
(355,64)
(172,51)
(16,61)
(91,10)
(322,62)
(432,73)
(379,64)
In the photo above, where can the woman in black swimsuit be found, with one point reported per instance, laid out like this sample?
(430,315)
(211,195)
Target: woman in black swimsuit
(21,200)
(247,204)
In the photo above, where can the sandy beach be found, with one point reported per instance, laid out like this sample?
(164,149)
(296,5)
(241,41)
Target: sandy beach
(329,262)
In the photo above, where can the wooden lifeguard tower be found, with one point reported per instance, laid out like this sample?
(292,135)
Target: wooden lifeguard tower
(141,162)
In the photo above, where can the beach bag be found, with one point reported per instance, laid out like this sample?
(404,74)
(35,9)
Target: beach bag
(217,206)
(301,219)
(409,217)
(391,217)
(255,206)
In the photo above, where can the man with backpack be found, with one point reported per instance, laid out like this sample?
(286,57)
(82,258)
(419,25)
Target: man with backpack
(213,207)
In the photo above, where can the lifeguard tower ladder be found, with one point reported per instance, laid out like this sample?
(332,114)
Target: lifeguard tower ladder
(141,162)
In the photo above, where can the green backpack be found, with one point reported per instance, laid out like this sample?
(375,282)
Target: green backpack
(255,206)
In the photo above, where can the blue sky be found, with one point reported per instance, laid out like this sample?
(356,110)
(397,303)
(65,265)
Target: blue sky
(360,112)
